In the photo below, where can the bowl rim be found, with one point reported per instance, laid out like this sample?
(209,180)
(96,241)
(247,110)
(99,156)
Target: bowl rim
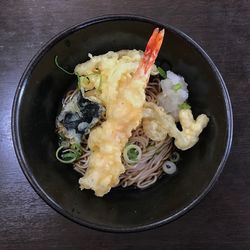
(16,133)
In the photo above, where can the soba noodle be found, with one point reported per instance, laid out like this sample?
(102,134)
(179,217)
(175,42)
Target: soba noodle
(154,154)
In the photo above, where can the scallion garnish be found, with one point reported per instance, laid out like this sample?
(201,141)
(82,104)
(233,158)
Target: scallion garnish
(132,153)
(77,148)
(69,155)
(176,87)
(61,155)
(184,105)
(169,167)
(174,157)
(162,72)
(61,68)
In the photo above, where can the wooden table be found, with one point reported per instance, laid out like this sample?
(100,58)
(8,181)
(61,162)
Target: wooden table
(222,219)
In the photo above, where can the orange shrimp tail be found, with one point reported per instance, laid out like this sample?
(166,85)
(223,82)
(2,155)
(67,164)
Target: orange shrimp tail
(152,49)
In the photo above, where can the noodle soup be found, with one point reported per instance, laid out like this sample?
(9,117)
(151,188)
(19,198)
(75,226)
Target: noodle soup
(119,126)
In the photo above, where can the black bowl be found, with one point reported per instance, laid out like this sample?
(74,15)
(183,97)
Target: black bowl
(38,98)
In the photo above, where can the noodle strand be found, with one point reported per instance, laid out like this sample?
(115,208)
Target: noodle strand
(154,154)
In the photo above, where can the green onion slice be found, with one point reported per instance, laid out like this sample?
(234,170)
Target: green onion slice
(176,87)
(174,157)
(184,105)
(162,72)
(132,153)
(69,155)
(77,148)
(169,167)
(63,156)
(61,68)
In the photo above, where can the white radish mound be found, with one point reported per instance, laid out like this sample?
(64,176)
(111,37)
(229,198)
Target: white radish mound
(170,99)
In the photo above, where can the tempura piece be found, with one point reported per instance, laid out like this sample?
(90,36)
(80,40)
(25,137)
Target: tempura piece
(157,125)
(123,94)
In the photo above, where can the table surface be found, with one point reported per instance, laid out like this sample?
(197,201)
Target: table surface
(222,219)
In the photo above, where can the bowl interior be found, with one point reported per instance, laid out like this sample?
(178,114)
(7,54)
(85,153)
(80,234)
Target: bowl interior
(39,99)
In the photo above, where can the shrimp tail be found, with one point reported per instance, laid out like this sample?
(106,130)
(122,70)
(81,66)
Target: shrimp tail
(151,51)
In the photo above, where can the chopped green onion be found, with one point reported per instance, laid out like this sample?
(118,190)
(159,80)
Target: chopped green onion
(60,67)
(174,157)
(62,157)
(78,80)
(132,153)
(162,72)
(177,86)
(169,167)
(77,148)
(69,155)
(184,105)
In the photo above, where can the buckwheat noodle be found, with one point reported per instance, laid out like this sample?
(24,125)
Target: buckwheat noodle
(154,154)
